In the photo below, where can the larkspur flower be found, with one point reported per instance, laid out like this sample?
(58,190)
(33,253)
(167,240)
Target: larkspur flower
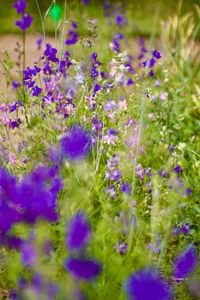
(185,263)
(78,233)
(156,54)
(20,6)
(28,254)
(126,188)
(83,269)
(121,247)
(147,284)
(178,169)
(25,22)
(77,144)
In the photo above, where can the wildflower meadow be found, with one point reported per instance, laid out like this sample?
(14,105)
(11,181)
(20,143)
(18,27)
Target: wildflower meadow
(100,150)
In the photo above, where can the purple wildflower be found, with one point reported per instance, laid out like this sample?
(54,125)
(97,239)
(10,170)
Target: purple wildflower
(72,38)
(77,144)
(20,6)
(156,54)
(126,188)
(188,191)
(121,247)
(28,254)
(85,2)
(25,22)
(15,84)
(83,269)
(39,43)
(177,169)
(36,91)
(79,232)
(50,53)
(185,263)
(147,284)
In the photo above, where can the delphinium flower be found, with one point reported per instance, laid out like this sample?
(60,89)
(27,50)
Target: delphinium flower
(79,232)
(147,284)
(25,22)
(184,229)
(39,43)
(77,238)
(185,263)
(72,35)
(126,188)
(121,247)
(20,6)
(15,84)
(38,287)
(28,200)
(77,144)
(111,137)
(83,269)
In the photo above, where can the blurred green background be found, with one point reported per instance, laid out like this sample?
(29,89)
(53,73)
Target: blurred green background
(144,16)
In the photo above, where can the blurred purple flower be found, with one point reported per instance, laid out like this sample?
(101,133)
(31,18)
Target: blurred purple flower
(79,232)
(83,269)
(177,169)
(20,6)
(185,263)
(25,22)
(77,144)
(126,188)
(147,284)
(15,84)
(50,53)
(28,254)
(156,54)
(121,247)
(72,38)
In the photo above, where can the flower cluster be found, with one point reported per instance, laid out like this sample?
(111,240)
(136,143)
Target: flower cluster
(77,238)
(26,20)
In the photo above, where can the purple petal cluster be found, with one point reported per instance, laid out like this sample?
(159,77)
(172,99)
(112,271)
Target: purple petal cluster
(77,144)
(25,22)
(72,36)
(26,201)
(20,6)
(147,284)
(79,233)
(185,263)
(83,269)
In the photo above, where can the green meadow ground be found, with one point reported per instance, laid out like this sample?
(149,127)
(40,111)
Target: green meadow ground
(161,123)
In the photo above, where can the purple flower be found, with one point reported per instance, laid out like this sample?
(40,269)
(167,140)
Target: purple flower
(188,191)
(96,88)
(77,144)
(15,84)
(72,38)
(28,254)
(185,263)
(147,284)
(85,2)
(36,90)
(50,53)
(79,232)
(20,6)
(130,81)
(156,54)
(25,22)
(177,169)
(39,43)
(121,247)
(83,269)
(126,188)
